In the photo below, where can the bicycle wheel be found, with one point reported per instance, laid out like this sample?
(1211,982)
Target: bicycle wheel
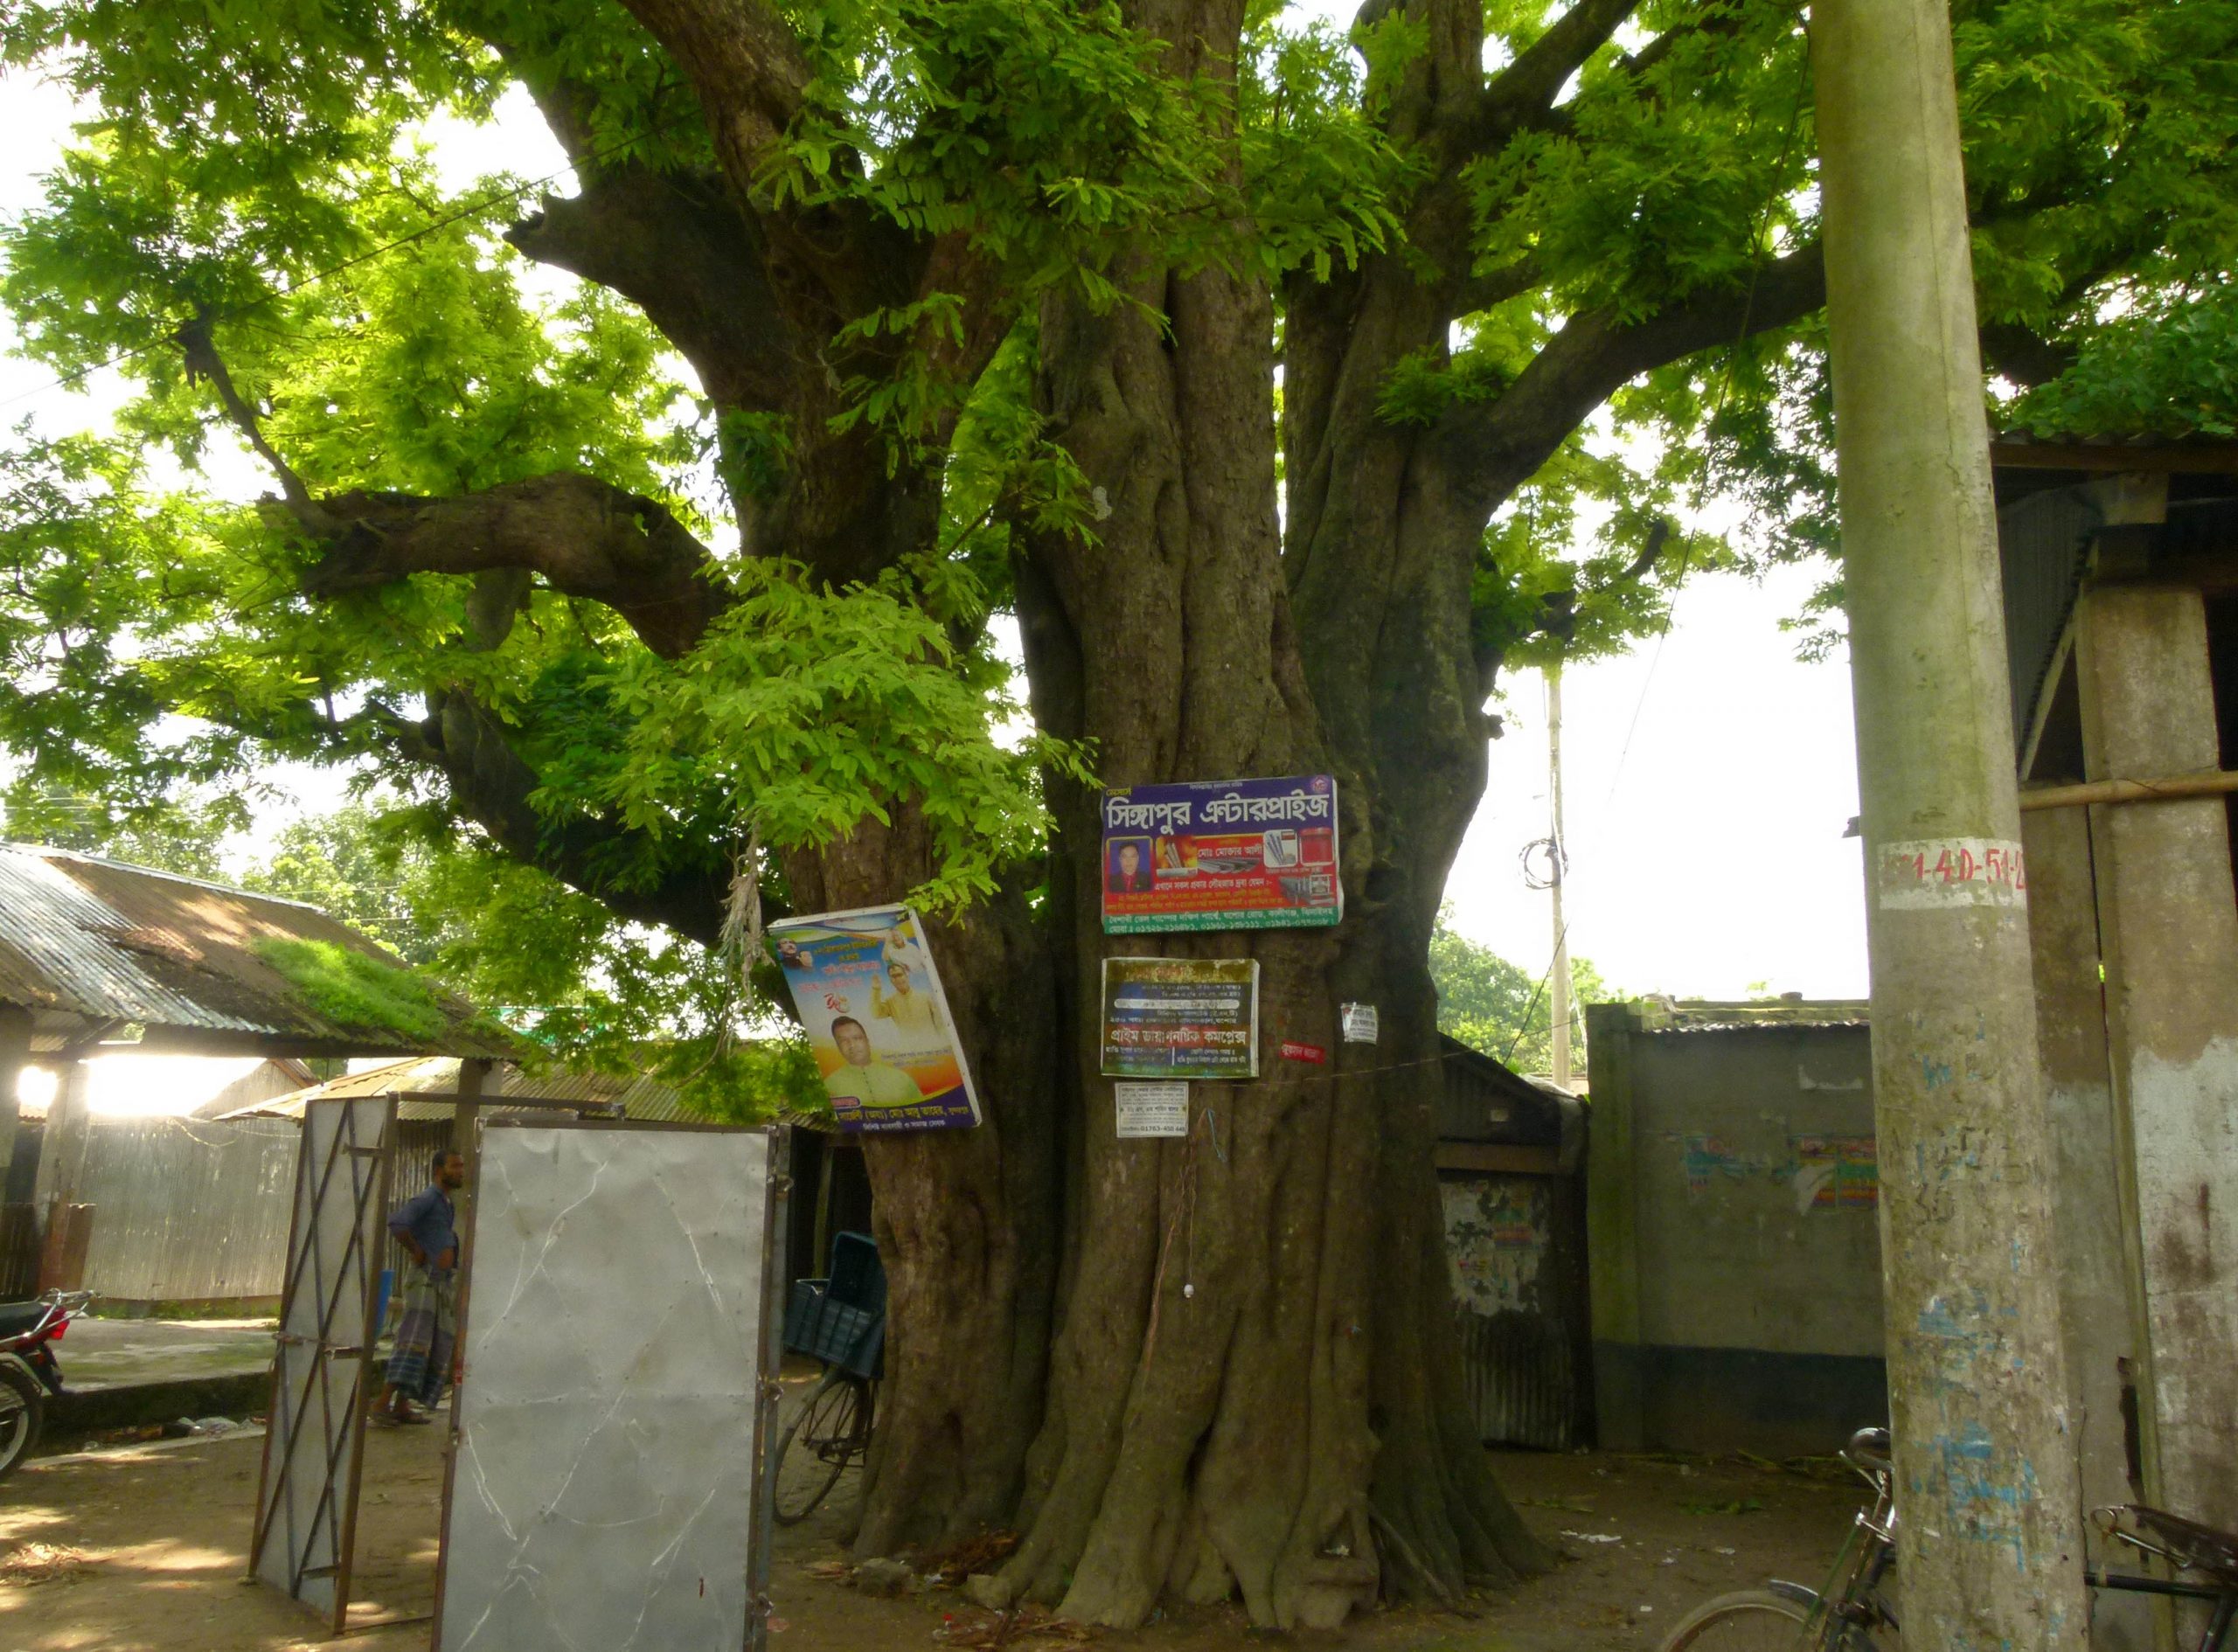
(826,1436)
(1754,1621)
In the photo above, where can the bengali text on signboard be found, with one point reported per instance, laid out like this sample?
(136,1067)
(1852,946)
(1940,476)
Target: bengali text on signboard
(1242,854)
(1181,1018)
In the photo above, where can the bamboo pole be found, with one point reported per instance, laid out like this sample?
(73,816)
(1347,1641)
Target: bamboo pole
(2166,789)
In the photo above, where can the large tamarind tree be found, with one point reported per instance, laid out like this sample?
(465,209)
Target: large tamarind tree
(657,531)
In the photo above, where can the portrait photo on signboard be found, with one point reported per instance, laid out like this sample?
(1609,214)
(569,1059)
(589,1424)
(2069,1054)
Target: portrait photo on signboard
(870,1001)
(1127,866)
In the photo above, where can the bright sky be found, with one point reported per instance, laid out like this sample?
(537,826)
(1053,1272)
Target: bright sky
(122,1082)
(1707,780)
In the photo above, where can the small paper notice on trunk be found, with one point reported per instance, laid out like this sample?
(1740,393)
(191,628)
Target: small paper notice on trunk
(1361,1023)
(1152,1109)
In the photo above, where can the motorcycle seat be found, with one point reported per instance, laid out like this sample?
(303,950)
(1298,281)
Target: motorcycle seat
(16,1318)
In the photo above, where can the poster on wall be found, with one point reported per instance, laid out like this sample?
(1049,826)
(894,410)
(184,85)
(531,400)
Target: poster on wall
(870,1001)
(1837,1172)
(1241,854)
(1151,1109)
(1181,1018)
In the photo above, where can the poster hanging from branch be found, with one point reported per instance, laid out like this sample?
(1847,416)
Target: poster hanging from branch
(1241,854)
(871,1003)
(1181,1018)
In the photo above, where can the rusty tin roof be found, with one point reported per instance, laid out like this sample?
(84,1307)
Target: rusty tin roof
(86,942)
(506,1085)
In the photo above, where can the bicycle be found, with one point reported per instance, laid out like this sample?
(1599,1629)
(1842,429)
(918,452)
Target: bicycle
(839,1320)
(1854,1607)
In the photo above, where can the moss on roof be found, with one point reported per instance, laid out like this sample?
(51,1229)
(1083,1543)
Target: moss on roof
(351,989)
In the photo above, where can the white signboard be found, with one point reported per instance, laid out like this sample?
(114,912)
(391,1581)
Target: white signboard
(604,1475)
(1152,1109)
(1361,1023)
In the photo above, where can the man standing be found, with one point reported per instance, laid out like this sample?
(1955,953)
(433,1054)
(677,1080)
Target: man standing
(427,1225)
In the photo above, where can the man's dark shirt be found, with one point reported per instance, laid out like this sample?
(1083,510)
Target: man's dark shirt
(429,1218)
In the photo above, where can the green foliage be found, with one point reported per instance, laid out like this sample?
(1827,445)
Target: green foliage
(355,989)
(2167,369)
(370,869)
(803,712)
(182,838)
(751,1081)
(254,174)
(1497,1008)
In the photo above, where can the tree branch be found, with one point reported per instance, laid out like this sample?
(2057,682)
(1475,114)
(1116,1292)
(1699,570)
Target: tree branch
(204,362)
(490,785)
(1523,93)
(682,251)
(747,65)
(2023,355)
(1493,447)
(586,537)
(1497,286)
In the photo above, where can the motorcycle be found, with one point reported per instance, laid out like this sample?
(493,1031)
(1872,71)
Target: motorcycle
(29,1374)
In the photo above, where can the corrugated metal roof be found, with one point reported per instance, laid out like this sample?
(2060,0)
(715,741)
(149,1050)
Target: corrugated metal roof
(1702,1015)
(637,1097)
(2090,451)
(90,942)
(645,1099)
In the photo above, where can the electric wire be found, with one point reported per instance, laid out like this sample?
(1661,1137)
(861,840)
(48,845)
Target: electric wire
(1670,611)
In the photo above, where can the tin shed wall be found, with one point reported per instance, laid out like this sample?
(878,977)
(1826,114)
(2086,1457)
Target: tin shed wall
(187,1209)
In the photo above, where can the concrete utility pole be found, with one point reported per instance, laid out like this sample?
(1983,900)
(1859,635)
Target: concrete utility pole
(1559,1005)
(1990,1549)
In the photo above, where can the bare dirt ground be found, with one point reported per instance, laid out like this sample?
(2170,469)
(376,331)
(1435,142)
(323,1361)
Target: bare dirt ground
(144,1550)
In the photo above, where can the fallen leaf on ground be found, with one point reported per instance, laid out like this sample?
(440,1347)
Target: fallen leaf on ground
(25,1565)
(959,1560)
(1024,1629)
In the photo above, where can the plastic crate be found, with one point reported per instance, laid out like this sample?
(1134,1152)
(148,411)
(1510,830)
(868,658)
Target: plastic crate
(819,1325)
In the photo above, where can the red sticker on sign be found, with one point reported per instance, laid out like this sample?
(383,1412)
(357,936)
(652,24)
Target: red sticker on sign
(1312,1052)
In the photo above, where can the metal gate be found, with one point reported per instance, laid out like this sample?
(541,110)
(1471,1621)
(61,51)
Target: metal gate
(606,1489)
(307,1493)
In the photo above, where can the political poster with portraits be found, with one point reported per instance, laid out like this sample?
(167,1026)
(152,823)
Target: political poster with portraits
(870,1001)
(1240,854)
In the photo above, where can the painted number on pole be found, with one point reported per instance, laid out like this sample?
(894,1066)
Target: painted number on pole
(1152,1109)
(1950,871)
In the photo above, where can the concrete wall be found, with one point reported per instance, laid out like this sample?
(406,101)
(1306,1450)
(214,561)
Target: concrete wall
(2168,934)
(1749,1233)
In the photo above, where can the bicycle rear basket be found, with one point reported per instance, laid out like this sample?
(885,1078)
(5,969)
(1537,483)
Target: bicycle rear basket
(818,1325)
(857,1275)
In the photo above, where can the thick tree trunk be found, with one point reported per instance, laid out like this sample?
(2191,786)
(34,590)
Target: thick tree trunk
(1226,1365)
(1255,1387)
